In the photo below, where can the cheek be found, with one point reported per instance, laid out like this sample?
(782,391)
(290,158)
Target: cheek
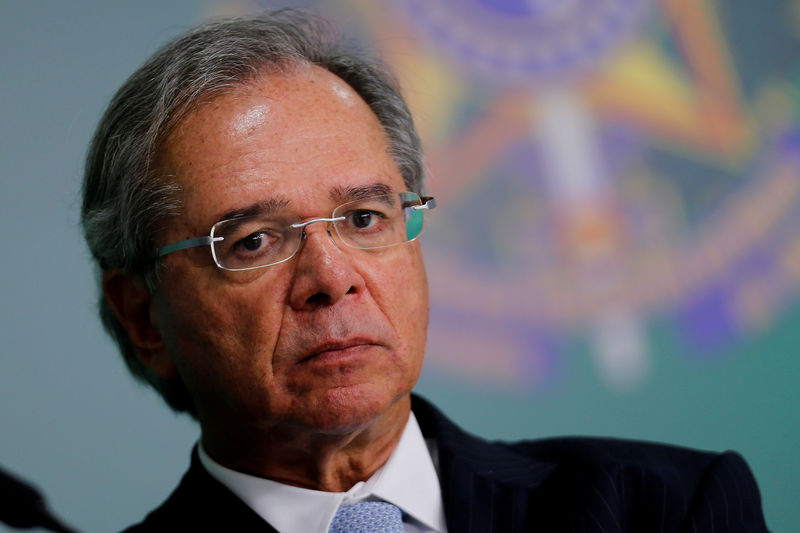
(414,283)
(402,292)
(420,309)
(218,329)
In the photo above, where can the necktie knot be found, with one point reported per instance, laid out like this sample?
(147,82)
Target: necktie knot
(368,517)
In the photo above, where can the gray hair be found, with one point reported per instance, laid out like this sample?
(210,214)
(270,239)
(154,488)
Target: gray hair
(125,198)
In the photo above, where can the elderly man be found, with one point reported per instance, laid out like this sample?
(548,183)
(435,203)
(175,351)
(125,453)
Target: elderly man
(253,198)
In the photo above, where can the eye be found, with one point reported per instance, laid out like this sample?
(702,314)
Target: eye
(248,242)
(363,219)
(257,243)
(252,242)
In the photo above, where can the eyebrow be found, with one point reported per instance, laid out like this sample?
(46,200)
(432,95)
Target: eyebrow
(343,195)
(266,207)
(338,194)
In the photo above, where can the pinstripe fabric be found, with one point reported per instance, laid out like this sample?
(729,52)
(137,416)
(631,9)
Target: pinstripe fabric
(588,485)
(552,485)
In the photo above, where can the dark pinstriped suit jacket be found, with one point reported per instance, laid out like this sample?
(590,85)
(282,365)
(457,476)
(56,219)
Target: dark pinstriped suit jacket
(566,484)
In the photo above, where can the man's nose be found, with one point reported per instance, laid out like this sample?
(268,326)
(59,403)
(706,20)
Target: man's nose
(323,273)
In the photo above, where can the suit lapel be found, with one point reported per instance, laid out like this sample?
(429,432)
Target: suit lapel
(485,487)
(201,503)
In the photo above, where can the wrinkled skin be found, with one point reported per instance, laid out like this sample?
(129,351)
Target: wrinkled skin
(301,371)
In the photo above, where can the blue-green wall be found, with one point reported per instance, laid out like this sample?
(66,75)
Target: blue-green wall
(104,448)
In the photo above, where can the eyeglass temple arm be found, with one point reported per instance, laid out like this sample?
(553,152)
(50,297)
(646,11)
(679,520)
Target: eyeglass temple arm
(428,202)
(189,243)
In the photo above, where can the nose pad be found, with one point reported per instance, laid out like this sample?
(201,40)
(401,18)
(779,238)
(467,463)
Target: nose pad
(303,226)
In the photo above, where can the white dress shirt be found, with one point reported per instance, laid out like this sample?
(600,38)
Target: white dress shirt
(408,480)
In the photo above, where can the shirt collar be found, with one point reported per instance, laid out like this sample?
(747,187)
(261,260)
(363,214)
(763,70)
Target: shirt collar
(408,479)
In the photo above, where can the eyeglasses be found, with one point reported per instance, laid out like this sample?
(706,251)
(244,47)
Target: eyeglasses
(248,242)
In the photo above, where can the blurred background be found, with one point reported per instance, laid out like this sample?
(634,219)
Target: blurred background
(616,249)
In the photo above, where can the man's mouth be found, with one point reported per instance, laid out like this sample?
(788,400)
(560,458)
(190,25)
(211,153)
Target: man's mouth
(337,351)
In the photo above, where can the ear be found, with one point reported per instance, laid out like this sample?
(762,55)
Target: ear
(132,302)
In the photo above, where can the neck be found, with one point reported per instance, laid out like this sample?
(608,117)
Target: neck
(326,461)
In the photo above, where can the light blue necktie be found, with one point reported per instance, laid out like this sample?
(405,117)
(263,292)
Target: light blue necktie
(368,517)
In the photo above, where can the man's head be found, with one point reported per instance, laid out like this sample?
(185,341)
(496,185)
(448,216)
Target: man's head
(261,114)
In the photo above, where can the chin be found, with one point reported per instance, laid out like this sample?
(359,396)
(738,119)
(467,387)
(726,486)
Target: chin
(347,409)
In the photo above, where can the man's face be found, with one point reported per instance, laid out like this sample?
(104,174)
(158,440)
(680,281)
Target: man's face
(330,339)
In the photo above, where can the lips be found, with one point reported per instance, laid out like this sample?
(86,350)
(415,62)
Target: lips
(339,335)
(337,350)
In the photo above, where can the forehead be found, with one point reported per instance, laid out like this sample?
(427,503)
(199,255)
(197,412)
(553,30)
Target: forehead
(293,136)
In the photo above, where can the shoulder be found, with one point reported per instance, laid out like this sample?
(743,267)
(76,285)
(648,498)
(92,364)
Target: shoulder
(696,489)
(638,464)
(618,458)
(628,485)
(200,503)
(618,453)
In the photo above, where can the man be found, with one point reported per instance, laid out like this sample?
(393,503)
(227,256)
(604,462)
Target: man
(253,196)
